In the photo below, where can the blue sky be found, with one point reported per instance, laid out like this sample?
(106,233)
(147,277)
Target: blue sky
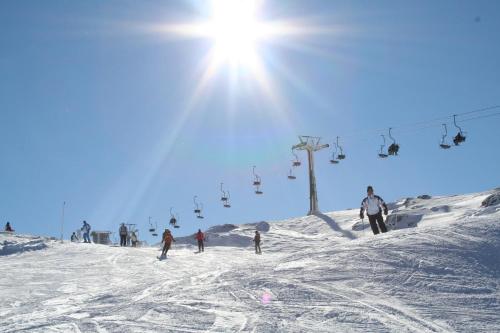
(100,113)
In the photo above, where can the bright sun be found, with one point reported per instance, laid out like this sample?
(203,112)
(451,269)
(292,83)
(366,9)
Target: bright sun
(238,38)
(235,30)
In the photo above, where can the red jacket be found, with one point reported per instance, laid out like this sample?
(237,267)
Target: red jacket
(200,236)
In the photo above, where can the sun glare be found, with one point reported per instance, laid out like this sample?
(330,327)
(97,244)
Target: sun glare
(239,35)
(234,29)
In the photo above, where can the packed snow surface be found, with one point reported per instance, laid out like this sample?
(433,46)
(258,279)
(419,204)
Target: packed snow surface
(437,270)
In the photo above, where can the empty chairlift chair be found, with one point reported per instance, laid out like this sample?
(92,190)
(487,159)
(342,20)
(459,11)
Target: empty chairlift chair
(224,197)
(334,160)
(257,182)
(296,162)
(443,143)
(340,156)
(198,208)
(382,154)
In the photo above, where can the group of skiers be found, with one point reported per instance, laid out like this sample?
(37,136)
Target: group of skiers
(124,236)
(372,204)
(168,239)
(86,233)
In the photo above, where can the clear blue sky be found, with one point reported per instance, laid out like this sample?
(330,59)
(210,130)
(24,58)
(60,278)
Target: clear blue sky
(100,114)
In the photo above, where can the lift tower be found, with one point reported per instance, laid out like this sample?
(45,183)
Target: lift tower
(311,144)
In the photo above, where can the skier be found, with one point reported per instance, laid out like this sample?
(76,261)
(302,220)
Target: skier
(123,235)
(133,238)
(373,204)
(167,240)
(256,240)
(86,230)
(200,237)
(74,237)
(8,228)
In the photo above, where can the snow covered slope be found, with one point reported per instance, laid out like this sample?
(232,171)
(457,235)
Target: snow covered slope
(437,271)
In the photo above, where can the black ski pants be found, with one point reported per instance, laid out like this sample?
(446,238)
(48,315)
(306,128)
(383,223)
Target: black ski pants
(377,218)
(257,247)
(201,246)
(123,240)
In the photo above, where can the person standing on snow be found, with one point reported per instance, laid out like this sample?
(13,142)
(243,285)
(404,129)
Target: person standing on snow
(373,204)
(123,235)
(256,240)
(200,237)
(86,232)
(8,228)
(74,237)
(133,239)
(167,242)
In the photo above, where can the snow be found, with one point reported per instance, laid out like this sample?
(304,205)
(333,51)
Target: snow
(437,271)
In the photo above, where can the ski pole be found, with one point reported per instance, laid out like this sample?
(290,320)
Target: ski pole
(363,225)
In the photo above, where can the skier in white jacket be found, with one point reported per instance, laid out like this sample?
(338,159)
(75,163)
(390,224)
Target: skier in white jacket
(373,205)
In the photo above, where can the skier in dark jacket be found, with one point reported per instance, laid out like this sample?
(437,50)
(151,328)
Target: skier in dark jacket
(373,205)
(123,235)
(200,237)
(74,237)
(256,240)
(167,240)
(8,228)
(86,232)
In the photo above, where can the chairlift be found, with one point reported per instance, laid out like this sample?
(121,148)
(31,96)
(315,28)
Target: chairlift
(256,179)
(226,203)
(197,209)
(257,182)
(151,228)
(394,147)
(340,156)
(460,137)
(291,175)
(382,154)
(296,162)
(173,220)
(333,160)
(223,197)
(200,216)
(443,144)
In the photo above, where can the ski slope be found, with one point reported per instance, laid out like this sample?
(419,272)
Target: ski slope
(437,271)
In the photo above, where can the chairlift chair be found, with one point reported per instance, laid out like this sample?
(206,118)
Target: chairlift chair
(223,197)
(256,178)
(340,156)
(443,143)
(296,162)
(382,154)
(152,229)
(333,160)
(291,176)
(197,209)
(460,137)
(258,191)
(199,215)
(394,147)
(173,220)
(257,182)
(226,202)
